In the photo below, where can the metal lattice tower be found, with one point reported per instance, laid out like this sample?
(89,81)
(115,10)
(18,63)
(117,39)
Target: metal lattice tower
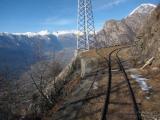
(85,25)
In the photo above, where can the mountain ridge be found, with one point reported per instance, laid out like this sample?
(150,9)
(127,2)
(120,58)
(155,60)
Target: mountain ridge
(114,32)
(117,32)
(141,7)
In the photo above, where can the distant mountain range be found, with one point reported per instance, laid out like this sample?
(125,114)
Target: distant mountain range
(17,50)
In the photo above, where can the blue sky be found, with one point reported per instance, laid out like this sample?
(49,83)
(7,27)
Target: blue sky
(59,15)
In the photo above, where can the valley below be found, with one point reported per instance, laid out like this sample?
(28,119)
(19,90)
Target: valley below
(43,76)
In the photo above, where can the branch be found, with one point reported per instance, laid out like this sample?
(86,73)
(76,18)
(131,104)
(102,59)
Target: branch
(40,90)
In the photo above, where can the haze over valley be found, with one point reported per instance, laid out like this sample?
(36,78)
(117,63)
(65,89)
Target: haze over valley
(105,68)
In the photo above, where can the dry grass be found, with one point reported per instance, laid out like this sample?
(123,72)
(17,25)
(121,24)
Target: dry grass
(121,94)
(71,86)
(103,52)
(153,104)
(92,109)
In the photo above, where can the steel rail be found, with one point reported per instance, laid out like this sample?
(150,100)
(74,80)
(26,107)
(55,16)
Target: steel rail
(136,108)
(107,99)
(105,111)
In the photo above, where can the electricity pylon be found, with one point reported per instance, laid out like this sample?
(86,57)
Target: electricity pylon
(85,25)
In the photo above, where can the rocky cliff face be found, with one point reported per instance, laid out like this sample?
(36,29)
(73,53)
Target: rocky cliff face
(149,37)
(115,33)
(138,16)
(124,31)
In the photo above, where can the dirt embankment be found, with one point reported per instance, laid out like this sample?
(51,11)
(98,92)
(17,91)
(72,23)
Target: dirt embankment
(77,87)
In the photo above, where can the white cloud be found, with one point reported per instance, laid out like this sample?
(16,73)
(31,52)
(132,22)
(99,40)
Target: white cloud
(58,21)
(111,3)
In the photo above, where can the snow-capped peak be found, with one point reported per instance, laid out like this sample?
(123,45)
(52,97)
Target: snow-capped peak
(31,34)
(64,32)
(143,8)
(44,32)
(41,33)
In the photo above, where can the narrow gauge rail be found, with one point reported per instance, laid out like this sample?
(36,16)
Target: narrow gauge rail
(105,111)
(107,93)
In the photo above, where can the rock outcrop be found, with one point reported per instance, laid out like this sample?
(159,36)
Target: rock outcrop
(148,38)
(138,16)
(116,32)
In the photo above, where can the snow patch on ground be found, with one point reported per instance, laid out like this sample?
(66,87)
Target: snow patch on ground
(95,85)
(141,81)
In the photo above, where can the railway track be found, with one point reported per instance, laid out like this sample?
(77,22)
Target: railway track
(105,111)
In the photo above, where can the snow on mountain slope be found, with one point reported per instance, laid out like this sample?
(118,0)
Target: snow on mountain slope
(65,32)
(66,38)
(143,8)
(45,33)
(138,16)
(32,34)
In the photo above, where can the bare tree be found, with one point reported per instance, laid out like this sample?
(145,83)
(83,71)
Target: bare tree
(7,100)
(43,72)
